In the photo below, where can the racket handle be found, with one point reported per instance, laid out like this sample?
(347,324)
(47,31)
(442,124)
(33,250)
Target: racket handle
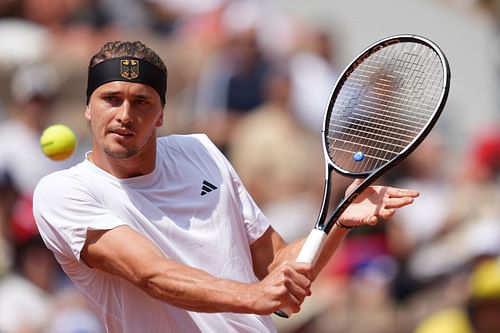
(312,246)
(308,254)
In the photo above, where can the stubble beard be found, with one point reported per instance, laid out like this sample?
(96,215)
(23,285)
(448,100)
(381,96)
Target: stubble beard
(122,155)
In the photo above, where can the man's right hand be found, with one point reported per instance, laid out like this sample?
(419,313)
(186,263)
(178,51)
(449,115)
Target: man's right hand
(283,288)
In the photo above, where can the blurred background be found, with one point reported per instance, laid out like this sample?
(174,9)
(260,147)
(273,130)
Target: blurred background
(256,77)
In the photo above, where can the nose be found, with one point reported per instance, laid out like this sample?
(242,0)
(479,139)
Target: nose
(124,113)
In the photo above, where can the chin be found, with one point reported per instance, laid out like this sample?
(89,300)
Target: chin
(120,154)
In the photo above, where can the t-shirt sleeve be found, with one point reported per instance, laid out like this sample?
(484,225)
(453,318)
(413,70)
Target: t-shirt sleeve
(64,209)
(255,221)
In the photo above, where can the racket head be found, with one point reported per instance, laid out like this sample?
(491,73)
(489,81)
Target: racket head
(384,104)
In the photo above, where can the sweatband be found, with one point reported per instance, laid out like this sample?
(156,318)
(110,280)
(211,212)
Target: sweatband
(127,69)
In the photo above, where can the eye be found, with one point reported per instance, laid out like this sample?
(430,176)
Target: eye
(112,99)
(141,101)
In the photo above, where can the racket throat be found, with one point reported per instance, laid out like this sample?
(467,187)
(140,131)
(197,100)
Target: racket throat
(320,223)
(348,199)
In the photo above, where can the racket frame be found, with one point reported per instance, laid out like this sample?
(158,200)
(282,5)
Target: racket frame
(326,224)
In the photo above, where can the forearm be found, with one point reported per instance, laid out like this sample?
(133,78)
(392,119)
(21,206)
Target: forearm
(290,252)
(196,290)
(333,240)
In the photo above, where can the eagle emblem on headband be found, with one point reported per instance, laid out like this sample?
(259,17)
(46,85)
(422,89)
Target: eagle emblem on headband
(129,69)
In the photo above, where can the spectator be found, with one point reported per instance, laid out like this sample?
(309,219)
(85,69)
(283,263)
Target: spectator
(276,157)
(231,84)
(25,292)
(313,74)
(480,313)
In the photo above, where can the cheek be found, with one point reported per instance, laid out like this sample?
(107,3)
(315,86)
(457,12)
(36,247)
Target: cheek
(96,122)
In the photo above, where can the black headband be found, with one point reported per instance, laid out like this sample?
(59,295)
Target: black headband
(128,69)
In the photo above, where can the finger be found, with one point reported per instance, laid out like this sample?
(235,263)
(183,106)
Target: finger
(298,293)
(292,304)
(397,202)
(304,269)
(299,285)
(399,192)
(294,277)
(387,213)
(372,220)
(357,181)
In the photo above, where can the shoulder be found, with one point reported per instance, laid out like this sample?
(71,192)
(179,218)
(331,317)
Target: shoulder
(181,140)
(60,184)
(189,143)
(193,149)
(71,175)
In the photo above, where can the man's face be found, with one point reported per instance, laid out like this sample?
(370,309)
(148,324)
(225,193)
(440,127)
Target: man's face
(123,117)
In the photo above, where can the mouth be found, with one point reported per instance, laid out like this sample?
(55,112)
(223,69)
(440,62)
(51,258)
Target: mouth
(121,132)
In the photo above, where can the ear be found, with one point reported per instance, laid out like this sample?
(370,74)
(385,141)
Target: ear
(87,113)
(159,121)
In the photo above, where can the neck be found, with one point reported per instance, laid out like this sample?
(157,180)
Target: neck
(140,164)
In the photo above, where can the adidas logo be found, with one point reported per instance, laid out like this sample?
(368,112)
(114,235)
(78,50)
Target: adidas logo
(207,188)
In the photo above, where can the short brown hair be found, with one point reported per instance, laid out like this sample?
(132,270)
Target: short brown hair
(135,49)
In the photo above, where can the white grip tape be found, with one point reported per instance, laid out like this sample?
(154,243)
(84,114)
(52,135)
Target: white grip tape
(312,246)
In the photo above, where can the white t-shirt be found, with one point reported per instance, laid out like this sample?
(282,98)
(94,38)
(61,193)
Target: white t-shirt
(193,206)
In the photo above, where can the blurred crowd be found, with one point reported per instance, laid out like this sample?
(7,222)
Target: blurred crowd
(257,81)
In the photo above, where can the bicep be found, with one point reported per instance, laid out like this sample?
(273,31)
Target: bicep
(265,251)
(121,251)
(270,250)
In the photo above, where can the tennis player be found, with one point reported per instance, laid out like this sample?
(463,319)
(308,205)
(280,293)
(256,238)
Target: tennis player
(159,234)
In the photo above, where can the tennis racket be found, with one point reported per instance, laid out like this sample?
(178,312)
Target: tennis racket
(382,107)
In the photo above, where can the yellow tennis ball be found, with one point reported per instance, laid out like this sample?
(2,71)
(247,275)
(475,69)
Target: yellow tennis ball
(58,142)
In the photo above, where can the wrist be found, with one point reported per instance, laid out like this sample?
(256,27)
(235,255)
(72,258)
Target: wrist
(340,225)
(245,301)
(231,296)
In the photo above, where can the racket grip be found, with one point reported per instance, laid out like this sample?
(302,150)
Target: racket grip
(308,254)
(312,246)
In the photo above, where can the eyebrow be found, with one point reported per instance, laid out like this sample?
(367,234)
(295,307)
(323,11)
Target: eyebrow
(142,96)
(115,93)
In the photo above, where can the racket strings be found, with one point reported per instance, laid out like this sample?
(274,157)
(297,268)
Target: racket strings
(383,105)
